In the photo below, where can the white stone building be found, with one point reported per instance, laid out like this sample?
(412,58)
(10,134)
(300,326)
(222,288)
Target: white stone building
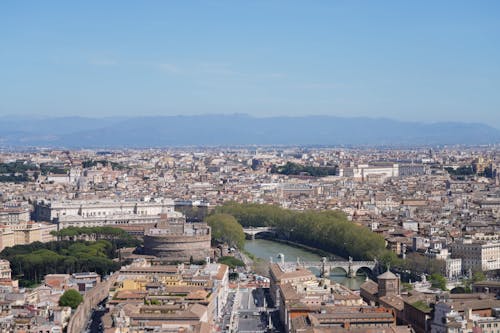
(91,213)
(483,255)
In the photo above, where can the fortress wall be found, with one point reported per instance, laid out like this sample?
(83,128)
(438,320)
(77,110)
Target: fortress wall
(178,247)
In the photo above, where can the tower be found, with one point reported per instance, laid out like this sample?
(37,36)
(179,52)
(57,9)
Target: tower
(388,284)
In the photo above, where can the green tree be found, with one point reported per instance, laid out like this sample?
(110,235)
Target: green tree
(478,276)
(438,281)
(407,286)
(420,264)
(71,298)
(226,229)
(465,170)
(327,230)
(31,262)
(232,262)
(296,169)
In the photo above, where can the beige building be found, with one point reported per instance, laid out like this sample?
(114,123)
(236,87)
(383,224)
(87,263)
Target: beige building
(5,271)
(280,275)
(14,215)
(7,238)
(178,285)
(483,255)
(466,317)
(310,304)
(26,233)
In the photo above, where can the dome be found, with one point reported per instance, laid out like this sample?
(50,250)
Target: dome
(388,275)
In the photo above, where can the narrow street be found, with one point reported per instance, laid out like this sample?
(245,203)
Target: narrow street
(95,324)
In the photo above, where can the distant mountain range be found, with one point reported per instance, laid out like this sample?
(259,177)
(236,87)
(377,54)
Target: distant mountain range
(211,130)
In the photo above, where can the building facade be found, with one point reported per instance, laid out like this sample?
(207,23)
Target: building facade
(477,255)
(92,213)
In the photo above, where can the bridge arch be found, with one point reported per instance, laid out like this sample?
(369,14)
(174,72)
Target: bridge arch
(458,290)
(314,269)
(334,269)
(364,269)
(251,232)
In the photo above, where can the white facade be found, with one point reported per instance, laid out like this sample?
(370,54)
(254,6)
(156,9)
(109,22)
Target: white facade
(447,320)
(81,213)
(410,225)
(363,171)
(453,268)
(477,255)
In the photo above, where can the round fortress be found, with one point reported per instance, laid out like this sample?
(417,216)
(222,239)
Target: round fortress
(193,242)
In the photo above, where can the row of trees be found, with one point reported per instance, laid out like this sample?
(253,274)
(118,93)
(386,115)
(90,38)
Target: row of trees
(419,264)
(296,169)
(17,171)
(23,167)
(466,170)
(114,165)
(30,263)
(14,178)
(327,230)
(17,167)
(118,237)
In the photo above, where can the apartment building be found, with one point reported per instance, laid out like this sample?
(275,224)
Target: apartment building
(482,255)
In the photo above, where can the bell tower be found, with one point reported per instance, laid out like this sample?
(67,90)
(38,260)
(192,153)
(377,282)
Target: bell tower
(388,284)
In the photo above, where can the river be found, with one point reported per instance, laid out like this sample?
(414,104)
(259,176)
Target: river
(264,249)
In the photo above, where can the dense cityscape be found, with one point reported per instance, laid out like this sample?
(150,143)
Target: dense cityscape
(250,239)
(262,166)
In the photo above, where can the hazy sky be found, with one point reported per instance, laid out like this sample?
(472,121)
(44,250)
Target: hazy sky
(411,60)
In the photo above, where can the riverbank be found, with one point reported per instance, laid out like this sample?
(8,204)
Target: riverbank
(253,263)
(322,253)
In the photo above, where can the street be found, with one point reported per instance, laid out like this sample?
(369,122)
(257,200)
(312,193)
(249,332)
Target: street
(95,324)
(252,316)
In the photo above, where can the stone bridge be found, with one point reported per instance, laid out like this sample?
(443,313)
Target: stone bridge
(252,231)
(350,267)
(454,284)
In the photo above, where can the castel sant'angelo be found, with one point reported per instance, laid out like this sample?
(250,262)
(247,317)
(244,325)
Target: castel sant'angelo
(175,240)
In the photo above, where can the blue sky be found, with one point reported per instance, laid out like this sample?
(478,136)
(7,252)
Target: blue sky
(409,60)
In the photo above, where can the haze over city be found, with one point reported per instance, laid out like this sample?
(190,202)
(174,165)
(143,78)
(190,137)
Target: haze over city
(420,61)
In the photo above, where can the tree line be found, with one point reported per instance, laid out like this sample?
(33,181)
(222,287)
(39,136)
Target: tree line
(114,165)
(118,237)
(30,263)
(71,253)
(17,171)
(465,170)
(291,168)
(327,230)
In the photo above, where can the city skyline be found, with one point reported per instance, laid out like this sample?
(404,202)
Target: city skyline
(425,61)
